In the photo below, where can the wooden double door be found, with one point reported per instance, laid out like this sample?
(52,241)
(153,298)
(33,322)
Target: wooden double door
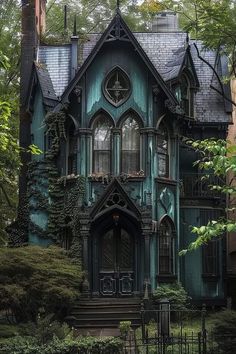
(116,263)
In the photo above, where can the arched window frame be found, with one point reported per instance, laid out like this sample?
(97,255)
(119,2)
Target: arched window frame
(163,150)
(126,154)
(71,149)
(101,169)
(166,247)
(122,84)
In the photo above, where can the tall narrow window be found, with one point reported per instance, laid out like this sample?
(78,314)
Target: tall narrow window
(71,148)
(166,248)
(130,146)
(210,258)
(184,92)
(66,238)
(102,145)
(163,151)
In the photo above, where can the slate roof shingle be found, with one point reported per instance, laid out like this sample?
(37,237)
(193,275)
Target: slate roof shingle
(166,51)
(45,83)
(57,60)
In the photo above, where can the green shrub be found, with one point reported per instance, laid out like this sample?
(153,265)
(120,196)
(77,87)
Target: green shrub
(84,345)
(45,329)
(124,328)
(224,330)
(32,278)
(175,293)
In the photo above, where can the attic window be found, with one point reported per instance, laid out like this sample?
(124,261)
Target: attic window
(117,87)
(184,92)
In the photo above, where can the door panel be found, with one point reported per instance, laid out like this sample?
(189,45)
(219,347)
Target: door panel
(108,251)
(116,274)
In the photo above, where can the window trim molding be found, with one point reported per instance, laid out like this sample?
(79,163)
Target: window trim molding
(134,116)
(169,220)
(157,134)
(107,78)
(95,119)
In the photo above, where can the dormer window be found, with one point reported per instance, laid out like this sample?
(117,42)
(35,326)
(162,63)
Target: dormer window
(117,87)
(184,93)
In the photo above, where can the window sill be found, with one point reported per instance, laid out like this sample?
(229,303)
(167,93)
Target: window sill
(166,180)
(166,278)
(122,177)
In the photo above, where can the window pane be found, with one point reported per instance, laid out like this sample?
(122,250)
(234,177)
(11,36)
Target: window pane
(102,145)
(101,161)
(130,146)
(162,150)
(166,242)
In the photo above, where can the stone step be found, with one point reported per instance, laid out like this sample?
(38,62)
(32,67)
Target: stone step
(104,313)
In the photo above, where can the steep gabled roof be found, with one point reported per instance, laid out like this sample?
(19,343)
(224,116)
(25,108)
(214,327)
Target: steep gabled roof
(45,83)
(182,59)
(118,30)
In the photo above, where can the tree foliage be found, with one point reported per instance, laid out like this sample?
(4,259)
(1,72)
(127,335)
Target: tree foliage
(217,157)
(92,16)
(211,21)
(9,154)
(34,279)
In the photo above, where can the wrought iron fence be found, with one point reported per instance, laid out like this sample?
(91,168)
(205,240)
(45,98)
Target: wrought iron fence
(172,332)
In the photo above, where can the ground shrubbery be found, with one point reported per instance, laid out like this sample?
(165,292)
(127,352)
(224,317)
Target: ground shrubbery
(175,293)
(34,279)
(48,336)
(224,330)
(82,345)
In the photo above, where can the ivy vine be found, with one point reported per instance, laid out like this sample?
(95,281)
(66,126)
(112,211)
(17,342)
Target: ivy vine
(58,197)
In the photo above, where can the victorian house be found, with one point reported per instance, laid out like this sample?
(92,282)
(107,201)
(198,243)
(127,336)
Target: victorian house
(115,184)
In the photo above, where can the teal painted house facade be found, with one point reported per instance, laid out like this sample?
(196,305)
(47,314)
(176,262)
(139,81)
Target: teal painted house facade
(115,184)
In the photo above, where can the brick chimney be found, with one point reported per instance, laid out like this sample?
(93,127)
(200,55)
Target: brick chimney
(32,26)
(165,21)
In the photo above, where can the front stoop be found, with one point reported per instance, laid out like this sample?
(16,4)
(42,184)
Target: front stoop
(102,316)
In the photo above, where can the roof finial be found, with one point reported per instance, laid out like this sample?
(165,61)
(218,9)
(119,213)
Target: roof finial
(75,27)
(187,38)
(117,6)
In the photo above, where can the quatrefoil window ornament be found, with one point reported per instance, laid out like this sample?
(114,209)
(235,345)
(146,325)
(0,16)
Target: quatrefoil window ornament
(117,87)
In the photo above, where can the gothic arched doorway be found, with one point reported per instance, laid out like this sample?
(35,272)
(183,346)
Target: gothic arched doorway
(115,255)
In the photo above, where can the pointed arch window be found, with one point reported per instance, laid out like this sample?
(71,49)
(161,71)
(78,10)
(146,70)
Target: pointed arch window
(71,150)
(117,87)
(162,144)
(130,146)
(166,247)
(102,145)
